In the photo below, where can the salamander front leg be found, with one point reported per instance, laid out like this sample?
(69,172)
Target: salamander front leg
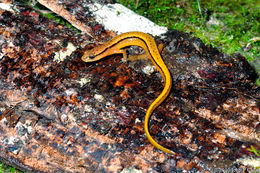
(144,56)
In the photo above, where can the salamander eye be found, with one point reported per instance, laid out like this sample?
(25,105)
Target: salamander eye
(91,56)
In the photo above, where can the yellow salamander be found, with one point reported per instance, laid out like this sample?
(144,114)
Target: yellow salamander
(116,46)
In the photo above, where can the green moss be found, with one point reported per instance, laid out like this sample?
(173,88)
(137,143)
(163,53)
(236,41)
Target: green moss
(43,11)
(53,16)
(8,169)
(253,150)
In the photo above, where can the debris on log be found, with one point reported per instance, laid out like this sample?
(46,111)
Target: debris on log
(60,114)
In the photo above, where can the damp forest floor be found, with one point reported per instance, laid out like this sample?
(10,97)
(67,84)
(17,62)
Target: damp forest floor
(232,26)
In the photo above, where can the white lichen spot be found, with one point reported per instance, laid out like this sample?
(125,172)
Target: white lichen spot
(131,170)
(137,120)
(30,129)
(83,81)
(70,91)
(124,108)
(64,118)
(61,55)
(99,97)
(4,121)
(117,17)
(149,69)
(254,162)
(12,142)
(7,7)
(87,108)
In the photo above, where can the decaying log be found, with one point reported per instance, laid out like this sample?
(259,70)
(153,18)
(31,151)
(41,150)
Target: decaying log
(58,113)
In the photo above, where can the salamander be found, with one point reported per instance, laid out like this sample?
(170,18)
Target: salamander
(117,45)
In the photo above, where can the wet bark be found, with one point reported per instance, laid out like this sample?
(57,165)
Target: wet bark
(58,113)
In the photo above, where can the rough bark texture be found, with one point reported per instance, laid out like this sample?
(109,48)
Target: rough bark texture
(58,113)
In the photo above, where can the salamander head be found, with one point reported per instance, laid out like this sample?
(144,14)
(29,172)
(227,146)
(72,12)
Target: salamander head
(88,56)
